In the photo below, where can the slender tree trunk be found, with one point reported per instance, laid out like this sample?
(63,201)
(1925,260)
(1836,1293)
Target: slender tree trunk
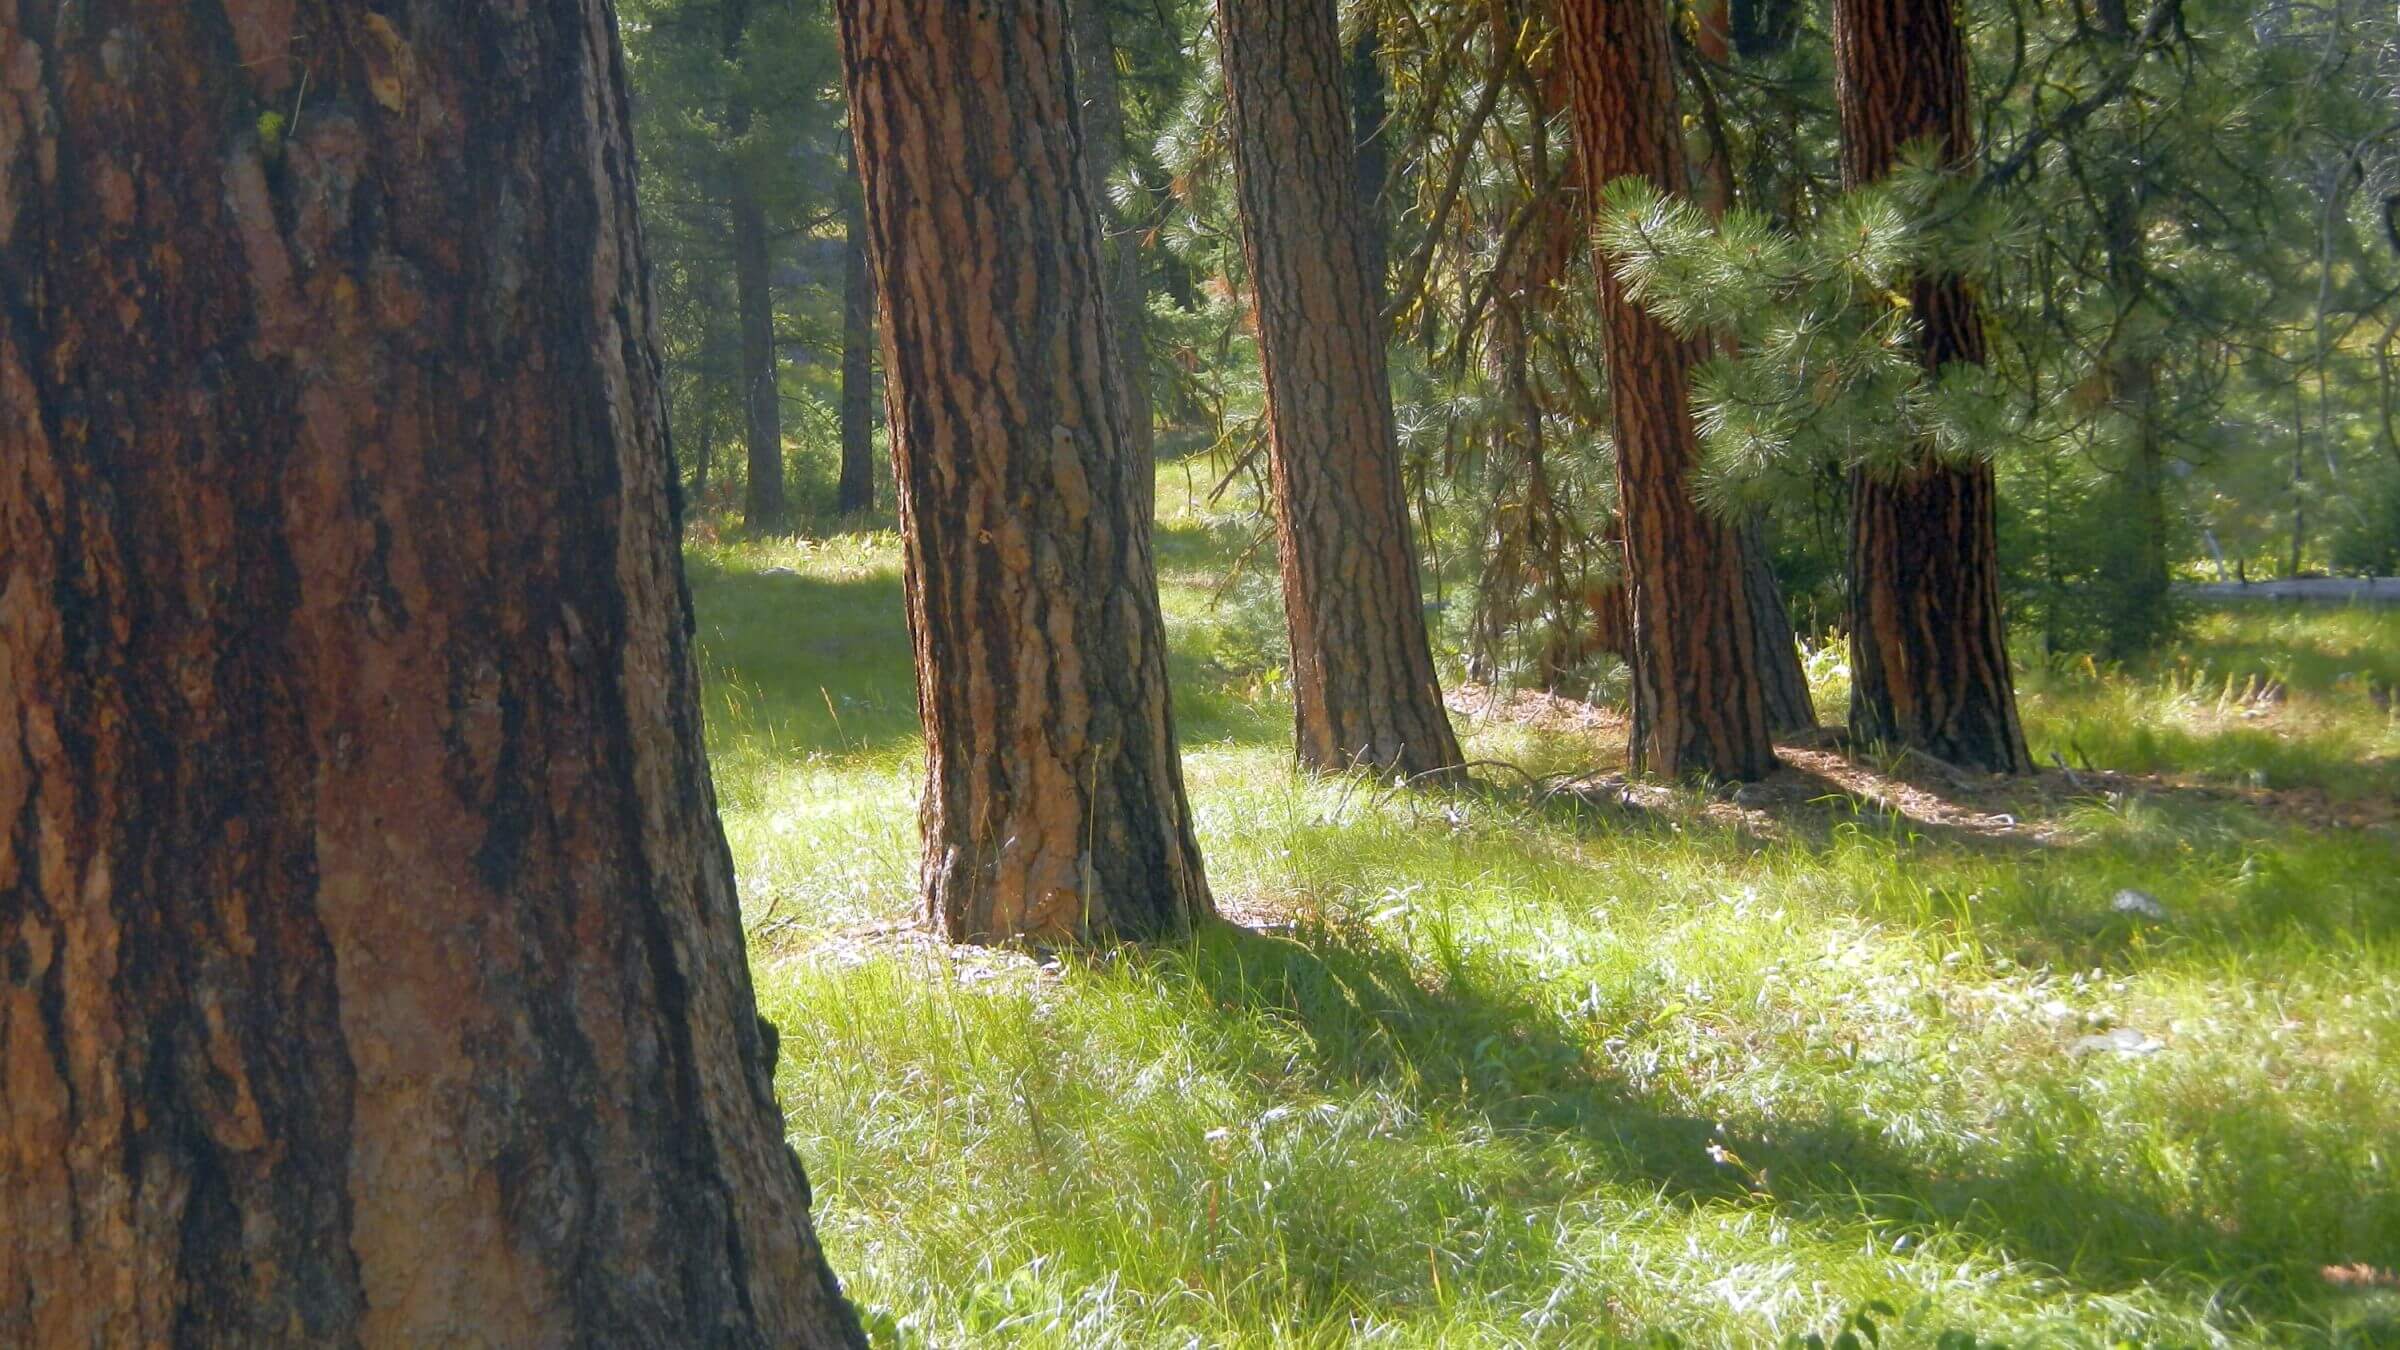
(1127,279)
(855,495)
(1929,650)
(765,510)
(371,970)
(2145,609)
(1699,705)
(1362,666)
(1054,803)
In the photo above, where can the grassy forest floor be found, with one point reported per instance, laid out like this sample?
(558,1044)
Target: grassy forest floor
(1585,1063)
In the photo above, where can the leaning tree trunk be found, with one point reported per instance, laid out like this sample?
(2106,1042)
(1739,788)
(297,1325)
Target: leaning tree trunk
(1127,287)
(1362,666)
(1054,803)
(855,494)
(373,969)
(1699,704)
(1928,649)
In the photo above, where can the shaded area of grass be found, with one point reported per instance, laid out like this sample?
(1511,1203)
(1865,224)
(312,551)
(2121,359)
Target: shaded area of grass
(1526,1071)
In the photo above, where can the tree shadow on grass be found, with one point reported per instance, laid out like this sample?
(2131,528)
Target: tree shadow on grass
(1454,1040)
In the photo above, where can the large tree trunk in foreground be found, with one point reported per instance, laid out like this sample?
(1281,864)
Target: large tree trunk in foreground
(855,494)
(1362,666)
(1126,284)
(1699,705)
(372,967)
(1054,803)
(1928,649)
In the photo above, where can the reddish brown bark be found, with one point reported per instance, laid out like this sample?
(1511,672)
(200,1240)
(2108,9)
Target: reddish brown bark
(1929,650)
(1054,803)
(370,964)
(1362,666)
(1699,706)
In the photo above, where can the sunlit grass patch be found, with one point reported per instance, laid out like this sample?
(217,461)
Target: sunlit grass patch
(1495,1067)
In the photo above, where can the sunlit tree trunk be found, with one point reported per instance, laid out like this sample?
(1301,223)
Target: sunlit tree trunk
(1929,650)
(1699,705)
(371,970)
(1054,803)
(1362,665)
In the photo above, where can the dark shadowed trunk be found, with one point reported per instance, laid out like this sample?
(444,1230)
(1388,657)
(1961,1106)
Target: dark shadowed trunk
(855,494)
(1362,667)
(1699,704)
(1054,803)
(1929,651)
(1370,108)
(764,510)
(371,970)
(1128,290)
(1780,673)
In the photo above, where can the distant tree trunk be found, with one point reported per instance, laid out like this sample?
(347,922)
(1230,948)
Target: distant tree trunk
(1699,704)
(1370,108)
(1128,289)
(855,495)
(2145,609)
(371,970)
(1928,648)
(1362,665)
(765,510)
(1054,802)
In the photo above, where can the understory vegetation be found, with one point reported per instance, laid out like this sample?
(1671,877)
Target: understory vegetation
(2103,1057)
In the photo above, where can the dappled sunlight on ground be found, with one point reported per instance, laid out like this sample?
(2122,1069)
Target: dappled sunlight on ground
(1554,1057)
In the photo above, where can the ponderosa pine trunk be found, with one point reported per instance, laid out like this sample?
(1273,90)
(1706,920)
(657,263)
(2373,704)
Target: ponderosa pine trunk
(1699,704)
(1121,253)
(1054,804)
(1789,707)
(854,495)
(371,970)
(1780,673)
(1928,646)
(1362,664)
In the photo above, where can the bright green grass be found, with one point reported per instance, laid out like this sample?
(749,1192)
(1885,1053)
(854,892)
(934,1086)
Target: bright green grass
(1530,1073)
